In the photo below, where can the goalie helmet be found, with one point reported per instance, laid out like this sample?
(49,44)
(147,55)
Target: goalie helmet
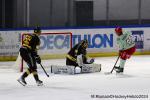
(84,43)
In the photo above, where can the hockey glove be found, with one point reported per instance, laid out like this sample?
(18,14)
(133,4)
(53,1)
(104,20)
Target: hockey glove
(38,59)
(120,52)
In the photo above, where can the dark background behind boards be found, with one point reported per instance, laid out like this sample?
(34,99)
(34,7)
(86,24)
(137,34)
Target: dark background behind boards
(64,13)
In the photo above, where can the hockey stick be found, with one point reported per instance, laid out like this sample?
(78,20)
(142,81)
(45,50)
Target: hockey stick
(113,67)
(44,70)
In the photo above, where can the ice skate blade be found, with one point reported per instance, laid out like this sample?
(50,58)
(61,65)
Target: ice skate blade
(107,73)
(40,84)
(119,73)
(21,83)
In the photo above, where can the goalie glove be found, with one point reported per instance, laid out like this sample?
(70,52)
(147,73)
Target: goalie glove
(92,60)
(38,59)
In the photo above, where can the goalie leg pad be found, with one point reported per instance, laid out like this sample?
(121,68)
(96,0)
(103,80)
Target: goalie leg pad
(88,68)
(91,68)
(58,69)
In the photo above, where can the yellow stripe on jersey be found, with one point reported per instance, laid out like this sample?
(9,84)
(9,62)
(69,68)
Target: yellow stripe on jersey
(71,58)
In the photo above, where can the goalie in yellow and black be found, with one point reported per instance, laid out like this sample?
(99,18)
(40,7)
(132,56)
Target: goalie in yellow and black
(77,57)
(78,52)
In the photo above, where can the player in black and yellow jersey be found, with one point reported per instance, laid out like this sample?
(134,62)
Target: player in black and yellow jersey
(77,56)
(28,52)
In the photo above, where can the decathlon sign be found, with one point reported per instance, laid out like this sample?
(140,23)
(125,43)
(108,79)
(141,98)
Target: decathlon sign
(95,40)
(55,41)
(50,42)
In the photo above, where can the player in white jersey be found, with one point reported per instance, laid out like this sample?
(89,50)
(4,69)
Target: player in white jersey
(126,47)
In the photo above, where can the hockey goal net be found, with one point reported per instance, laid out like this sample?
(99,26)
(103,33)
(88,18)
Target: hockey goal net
(53,46)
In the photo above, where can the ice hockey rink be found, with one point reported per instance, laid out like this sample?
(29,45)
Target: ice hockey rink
(91,86)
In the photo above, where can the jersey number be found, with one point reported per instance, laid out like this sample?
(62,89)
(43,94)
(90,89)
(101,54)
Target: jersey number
(27,39)
(129,40)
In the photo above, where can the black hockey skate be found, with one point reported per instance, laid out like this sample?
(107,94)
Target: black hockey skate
(118,69)
(39,83)
(22,81)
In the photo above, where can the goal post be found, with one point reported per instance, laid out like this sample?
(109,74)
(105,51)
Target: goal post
(53,45)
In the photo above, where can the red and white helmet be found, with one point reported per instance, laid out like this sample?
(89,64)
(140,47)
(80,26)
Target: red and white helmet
(118,29)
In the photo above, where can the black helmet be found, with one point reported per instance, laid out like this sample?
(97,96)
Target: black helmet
(84,43)
(37,30)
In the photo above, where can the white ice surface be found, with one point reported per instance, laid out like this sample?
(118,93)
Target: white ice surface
(136,81)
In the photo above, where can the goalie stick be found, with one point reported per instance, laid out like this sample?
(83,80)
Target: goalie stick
(44,70)
(106,73)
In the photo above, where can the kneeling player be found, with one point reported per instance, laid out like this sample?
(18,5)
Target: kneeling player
(77,61)
(77,56)
(126,46)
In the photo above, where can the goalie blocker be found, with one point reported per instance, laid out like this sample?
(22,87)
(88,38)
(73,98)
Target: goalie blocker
(88,68)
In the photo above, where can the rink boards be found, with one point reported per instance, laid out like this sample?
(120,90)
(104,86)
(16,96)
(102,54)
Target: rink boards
(102,42)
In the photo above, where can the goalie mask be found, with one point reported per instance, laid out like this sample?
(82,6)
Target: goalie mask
(84,43)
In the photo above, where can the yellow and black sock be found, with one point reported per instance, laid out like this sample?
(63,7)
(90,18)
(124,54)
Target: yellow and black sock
(26,73)
(36,77)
